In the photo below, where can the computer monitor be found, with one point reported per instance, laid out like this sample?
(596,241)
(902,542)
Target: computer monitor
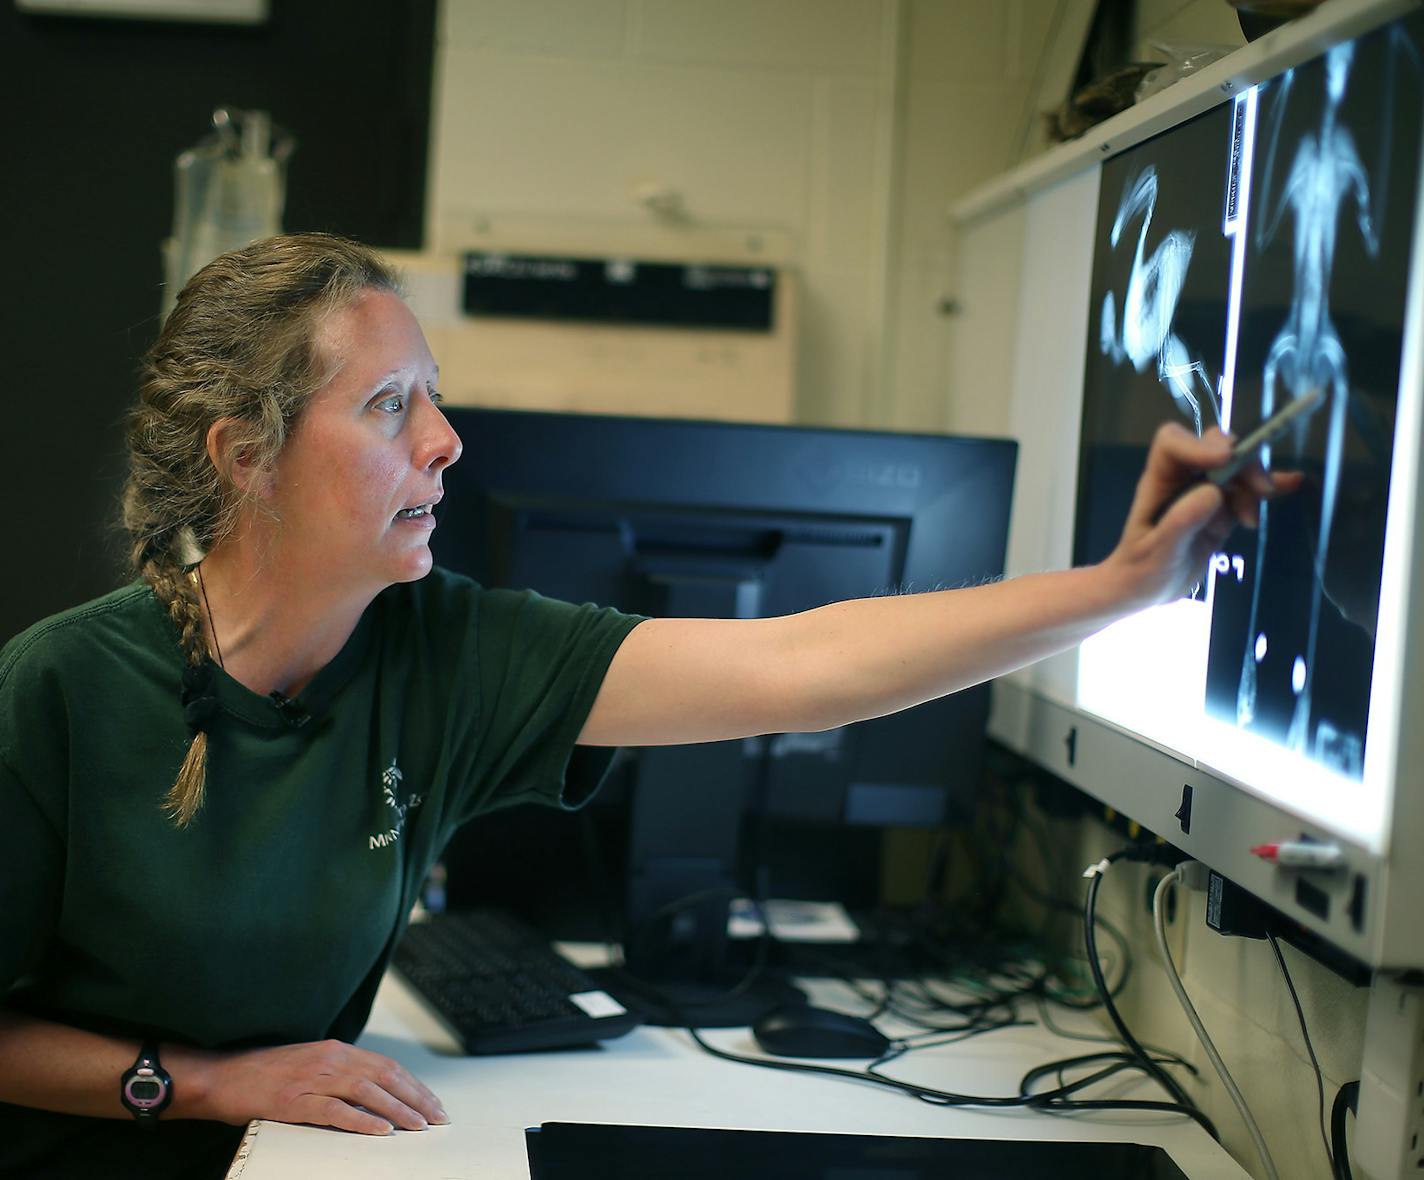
(1243,259)
(709,519)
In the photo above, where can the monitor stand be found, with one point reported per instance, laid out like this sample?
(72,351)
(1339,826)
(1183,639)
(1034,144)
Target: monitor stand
(682,857)
(687,805)
(731,1002)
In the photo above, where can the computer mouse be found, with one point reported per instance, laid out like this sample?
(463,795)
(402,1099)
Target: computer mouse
(799,1030)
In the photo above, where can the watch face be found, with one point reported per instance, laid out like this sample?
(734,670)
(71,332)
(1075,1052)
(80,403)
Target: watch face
(142,1091)
(145,1091)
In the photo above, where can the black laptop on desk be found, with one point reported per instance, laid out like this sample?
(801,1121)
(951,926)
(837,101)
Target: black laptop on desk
(599,1151)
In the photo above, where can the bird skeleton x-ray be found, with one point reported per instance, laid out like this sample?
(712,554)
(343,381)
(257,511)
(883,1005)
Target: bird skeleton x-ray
(1307,352)
(1154,288)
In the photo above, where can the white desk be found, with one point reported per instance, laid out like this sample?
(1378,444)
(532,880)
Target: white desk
(659,1077)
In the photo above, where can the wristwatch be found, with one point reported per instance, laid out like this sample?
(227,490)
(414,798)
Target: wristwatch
(146,1089)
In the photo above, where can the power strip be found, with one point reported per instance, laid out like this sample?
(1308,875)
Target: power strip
(1388,1140)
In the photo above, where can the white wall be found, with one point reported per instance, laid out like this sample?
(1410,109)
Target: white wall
(771,122)
(968,77)
(828,136)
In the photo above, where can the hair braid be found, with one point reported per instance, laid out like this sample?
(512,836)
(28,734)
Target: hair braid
(174,587)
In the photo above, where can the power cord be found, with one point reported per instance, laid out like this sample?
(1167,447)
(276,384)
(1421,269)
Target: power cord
(1060,986)
(1057,1099)
(1309,1048)
(1093,998)
(1347,1100)
(1193,875)
(1045,1016)
(998,1012)
(993,1010)
(1094,873)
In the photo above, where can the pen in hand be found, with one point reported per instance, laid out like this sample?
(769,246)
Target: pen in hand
(1247,449)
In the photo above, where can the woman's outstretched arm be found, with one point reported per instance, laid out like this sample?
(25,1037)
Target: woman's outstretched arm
(698,680)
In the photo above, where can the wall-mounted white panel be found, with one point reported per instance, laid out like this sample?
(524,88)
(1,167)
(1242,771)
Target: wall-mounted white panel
(984,325)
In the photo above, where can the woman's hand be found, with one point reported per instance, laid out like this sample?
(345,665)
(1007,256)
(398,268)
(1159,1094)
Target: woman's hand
(325,1083)
(1173,527)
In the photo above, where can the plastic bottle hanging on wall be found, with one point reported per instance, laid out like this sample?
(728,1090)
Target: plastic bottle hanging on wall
(229,190)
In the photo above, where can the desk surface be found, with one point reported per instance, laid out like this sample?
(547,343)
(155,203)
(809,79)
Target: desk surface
(658,1076)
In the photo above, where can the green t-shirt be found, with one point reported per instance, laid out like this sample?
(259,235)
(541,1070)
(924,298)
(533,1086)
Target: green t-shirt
(270,918)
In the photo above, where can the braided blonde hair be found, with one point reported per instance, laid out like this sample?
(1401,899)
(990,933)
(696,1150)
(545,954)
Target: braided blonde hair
(239,344)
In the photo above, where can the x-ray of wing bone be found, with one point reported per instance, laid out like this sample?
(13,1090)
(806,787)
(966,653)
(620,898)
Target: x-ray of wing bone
(1307,352)
(1154,289)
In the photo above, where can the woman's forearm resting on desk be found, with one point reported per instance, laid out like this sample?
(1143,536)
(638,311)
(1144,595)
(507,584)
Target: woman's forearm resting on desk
(56,1067)
(698,680)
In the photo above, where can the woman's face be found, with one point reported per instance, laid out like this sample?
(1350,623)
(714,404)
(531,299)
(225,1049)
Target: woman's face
(357,480)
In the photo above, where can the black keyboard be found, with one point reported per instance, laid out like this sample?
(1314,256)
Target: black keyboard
(500,986)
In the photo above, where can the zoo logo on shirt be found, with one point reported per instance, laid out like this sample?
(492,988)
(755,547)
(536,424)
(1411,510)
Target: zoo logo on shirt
(390,786)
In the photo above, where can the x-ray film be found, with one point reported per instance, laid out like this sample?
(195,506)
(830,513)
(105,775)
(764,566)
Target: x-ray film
(1157,330)
(1333,189)
(1275,262)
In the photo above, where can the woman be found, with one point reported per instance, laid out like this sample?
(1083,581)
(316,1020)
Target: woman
(224,784)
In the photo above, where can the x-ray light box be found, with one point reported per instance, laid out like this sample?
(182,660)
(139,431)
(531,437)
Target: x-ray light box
(1244,259)
(1246,237)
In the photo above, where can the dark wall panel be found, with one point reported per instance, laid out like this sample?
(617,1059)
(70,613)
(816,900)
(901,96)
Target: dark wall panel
(93,114)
